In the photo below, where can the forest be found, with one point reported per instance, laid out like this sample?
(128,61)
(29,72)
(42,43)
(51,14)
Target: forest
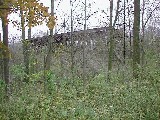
(74,70)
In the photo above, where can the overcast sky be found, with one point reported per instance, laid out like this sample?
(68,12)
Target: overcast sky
(62,11)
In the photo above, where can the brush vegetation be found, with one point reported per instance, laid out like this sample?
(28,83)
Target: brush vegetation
(71,99)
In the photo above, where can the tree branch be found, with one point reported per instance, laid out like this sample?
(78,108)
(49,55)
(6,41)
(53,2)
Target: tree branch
(117,12)
(151,14)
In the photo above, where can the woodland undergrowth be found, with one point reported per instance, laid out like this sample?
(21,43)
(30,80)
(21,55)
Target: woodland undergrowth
(120,98)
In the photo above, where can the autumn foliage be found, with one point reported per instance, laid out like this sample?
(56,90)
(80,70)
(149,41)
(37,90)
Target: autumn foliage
(34,13)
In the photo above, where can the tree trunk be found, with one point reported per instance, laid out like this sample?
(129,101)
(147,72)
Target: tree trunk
(130,34)
(136,41)
(124,33)
(84,58)
(32,68)
(142,41)
(111,43)
(5,54)
(72,48)
(52,13)
(111,38)
(48,58)
(25,50)
(117,13)
(1,60)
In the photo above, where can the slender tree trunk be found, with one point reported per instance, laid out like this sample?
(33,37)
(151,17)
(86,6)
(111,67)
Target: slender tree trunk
(111,39)
(111,43)
(5,55)
(142,40)
(72,47)
(124,33)
(25,50)
(84,60)
(136,41)
(29,35)
(52,13)
(48,58)
(130,34)
(117,13)
(1,60)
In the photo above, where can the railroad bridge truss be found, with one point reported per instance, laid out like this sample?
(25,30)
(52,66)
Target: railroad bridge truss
(90,38)
(92,42)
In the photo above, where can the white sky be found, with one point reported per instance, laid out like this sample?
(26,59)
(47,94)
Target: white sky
(63,11)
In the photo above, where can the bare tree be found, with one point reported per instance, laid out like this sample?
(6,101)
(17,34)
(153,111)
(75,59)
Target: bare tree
(129,27)
(85,20)
(111,43)
(136,41)
(124,31)
(71,35)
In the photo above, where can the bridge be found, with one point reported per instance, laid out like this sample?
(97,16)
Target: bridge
(92,36)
